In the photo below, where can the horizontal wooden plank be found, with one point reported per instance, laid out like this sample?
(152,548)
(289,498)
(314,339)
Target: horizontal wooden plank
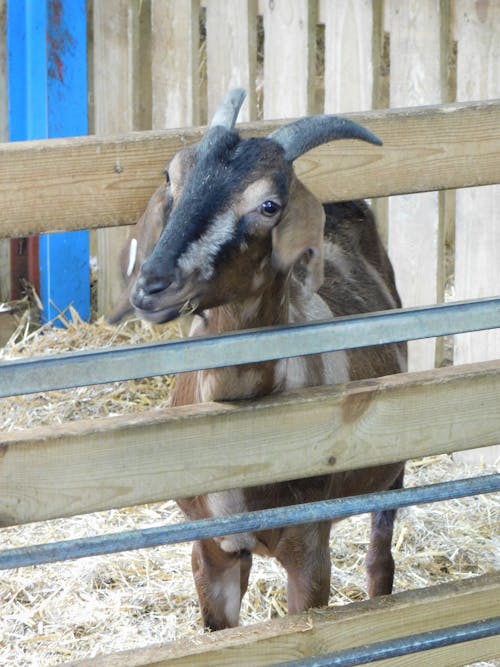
(328,630)
(90,182)
(104,463)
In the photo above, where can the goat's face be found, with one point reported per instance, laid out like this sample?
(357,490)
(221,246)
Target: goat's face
(237,217)
(217,242)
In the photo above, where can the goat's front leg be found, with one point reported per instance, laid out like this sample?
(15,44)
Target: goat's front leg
(304,551)
(221,580)
(379,560)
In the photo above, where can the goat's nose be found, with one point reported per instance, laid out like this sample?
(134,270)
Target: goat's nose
(151,280)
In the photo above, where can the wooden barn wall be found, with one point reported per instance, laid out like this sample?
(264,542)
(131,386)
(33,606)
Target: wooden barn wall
(162,63)
(315,56)
(477,231)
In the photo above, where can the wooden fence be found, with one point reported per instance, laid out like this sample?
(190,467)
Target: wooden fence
(409,415)
(425,150)
(166,63)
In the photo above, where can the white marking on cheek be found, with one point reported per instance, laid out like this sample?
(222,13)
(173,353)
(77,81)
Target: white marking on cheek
(201,253)
(132,257)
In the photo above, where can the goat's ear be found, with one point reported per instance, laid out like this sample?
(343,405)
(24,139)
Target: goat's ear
(299,235)
(140,244)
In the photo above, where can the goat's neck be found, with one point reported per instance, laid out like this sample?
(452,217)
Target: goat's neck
(268,308)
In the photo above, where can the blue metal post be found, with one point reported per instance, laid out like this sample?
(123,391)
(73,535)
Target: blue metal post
(64,258)
(47,46)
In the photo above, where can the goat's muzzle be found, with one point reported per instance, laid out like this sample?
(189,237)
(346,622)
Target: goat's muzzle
(157,300)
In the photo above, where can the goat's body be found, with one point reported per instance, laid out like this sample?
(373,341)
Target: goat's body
(302,549)
(244,244)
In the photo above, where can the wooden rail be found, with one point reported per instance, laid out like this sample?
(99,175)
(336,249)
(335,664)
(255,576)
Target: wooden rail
(100,464)
(323,631)
(67,184)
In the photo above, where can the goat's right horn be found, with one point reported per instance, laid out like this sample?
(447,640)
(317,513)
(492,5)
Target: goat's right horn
(227,113)
(306,133)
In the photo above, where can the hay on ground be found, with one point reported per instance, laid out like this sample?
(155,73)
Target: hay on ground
(55,613)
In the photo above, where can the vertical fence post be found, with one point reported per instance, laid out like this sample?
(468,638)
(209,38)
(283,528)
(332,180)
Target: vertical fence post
(477,241)
(477,238)
(175,63)
(348,55)
(413,219)
(120,70)
(232,61)
(47,54)
(289,57)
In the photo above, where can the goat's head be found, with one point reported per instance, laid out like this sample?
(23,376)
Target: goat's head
(237,215)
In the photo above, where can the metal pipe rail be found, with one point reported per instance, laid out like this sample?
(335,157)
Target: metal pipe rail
(124,363)
(246,522)
(394,648)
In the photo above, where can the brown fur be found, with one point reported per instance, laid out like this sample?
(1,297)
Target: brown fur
(271,279)
(302,550)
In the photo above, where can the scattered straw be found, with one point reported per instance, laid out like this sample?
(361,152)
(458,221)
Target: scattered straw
(55,613)
(57,407)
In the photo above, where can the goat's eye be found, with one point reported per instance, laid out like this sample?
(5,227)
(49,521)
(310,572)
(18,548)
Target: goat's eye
(167,177)
(269,208)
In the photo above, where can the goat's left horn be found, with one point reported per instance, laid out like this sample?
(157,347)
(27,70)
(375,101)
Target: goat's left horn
(228,111)
(306,133)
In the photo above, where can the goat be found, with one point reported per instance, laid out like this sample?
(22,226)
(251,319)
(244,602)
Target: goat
(142,239)
(245,244)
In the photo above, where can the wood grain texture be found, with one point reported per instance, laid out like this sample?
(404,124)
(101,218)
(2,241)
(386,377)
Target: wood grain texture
(477,240)
(118,107)
(175,63)
(327,630)
(232,53)
(65,184)
(381,94)
(414,220)
(477,232)
(105,463)
(348,55)
(289,57)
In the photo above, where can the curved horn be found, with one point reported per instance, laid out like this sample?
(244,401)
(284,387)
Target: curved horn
(228,111)
(307,133)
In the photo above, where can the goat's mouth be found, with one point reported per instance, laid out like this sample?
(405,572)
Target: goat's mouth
(165,306)
(161,316)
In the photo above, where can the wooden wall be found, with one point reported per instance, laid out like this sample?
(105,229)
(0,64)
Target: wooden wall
(162,63)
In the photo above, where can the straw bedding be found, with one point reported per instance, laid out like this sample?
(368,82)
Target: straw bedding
(55,613)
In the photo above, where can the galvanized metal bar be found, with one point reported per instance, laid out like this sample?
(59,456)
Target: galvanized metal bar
(124,363)
(393,648)
(246,522)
